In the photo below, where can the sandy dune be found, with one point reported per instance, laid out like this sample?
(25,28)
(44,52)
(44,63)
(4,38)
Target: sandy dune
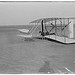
(37,56)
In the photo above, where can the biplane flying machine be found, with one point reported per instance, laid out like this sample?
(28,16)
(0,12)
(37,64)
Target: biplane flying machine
(57,29)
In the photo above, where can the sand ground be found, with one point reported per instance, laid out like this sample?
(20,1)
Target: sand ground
(37,56)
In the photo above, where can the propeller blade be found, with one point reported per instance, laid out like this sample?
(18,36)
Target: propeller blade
(52,29)
(66,26)
(54,26)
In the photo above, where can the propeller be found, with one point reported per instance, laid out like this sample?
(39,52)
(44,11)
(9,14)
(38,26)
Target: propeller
(53,26)
(51,29)
(66,26)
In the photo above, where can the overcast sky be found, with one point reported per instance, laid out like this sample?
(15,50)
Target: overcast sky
(24,12)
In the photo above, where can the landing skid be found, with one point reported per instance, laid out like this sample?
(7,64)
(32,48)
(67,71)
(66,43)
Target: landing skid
(26,39)
(59,39)
(33,39)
